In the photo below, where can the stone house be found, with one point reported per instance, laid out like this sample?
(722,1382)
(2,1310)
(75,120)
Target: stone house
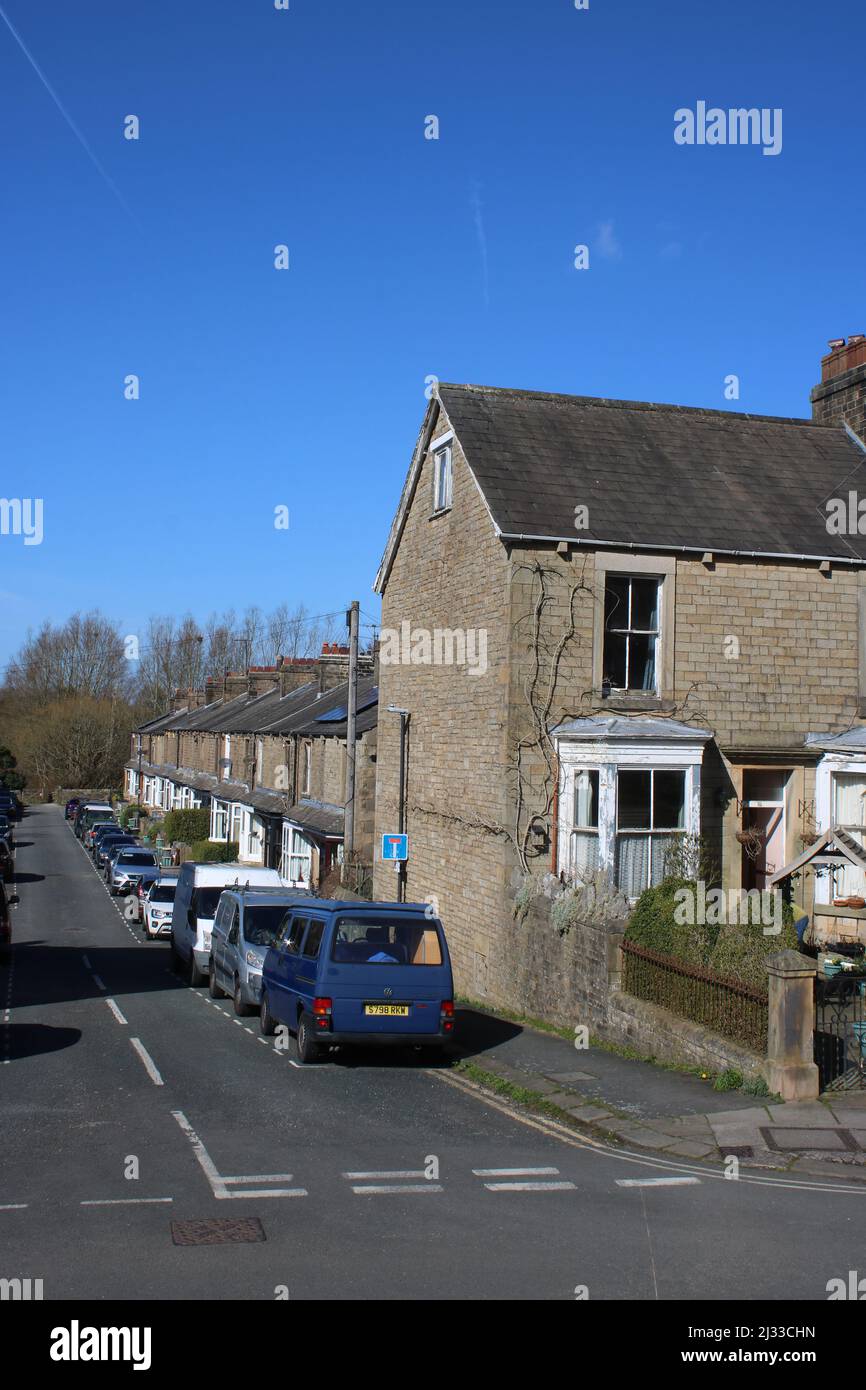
(615,628)
(265,752)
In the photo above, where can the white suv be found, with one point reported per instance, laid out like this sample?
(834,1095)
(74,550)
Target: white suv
(158,907)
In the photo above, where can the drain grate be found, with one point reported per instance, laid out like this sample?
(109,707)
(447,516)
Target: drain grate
(737,1151)
(218,1231)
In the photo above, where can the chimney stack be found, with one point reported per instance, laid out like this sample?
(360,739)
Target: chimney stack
(840,397)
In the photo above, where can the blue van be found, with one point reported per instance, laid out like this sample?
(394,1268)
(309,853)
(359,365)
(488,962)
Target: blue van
(359,972)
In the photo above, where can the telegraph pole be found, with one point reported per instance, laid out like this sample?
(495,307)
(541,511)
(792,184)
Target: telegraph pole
(349,827)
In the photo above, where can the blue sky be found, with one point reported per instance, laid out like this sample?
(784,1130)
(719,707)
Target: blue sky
(409,257)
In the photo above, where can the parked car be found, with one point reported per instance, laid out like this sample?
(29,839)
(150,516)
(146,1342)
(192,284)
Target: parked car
(5,922)
(71,807)
(109,840)
(195,904)
(7,862)
(129,867)
(157,906)
(359,973)
(7,831)
(87,837)
(247,922)
(88,813)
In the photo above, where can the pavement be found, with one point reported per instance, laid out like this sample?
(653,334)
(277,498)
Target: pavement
(644,1105)
(156,1147)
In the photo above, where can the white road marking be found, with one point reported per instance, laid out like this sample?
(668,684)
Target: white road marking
(513,1172)
(261,1177)
(14,1206)
(382,1190)
(115,1010)
(123,1201)
(219,1184)
(397,1173)
(529,1186)
(656,1182)
(555,1130)
(149,1065)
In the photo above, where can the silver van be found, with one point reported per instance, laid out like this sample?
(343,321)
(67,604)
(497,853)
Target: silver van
(247,922)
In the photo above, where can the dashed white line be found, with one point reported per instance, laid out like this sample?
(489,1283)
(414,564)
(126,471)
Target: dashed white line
(149,1064)
(115,1010)
(397,1173)
(514,1172)
(14,1206)
(657,1182)
(387,1190)
(123,1201)
(530,1186)
(98,982)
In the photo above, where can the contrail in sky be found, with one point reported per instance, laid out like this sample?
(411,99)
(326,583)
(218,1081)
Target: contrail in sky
(65,114)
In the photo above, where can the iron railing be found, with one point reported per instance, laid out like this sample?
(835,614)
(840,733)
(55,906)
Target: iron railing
(730,1007)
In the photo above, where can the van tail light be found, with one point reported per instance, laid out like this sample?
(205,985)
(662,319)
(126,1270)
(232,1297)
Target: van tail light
(446,1015)
(322,1013)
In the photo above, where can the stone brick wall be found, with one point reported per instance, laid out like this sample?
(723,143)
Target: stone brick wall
(450,572)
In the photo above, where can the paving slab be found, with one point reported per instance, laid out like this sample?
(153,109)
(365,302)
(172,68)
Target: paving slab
(819,1168)
(738,1137)
(589,1113)
(563,1099)
(646,1138)
(692,1125)
(859,1137)
(800,1112)
(571,1078)
(753,1115)
(689,1148)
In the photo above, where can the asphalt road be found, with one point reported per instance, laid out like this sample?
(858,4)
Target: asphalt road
(109,1065)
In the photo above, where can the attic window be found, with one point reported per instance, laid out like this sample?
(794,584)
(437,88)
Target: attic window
(442,479)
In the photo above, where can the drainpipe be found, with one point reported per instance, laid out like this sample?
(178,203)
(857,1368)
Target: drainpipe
(404,726)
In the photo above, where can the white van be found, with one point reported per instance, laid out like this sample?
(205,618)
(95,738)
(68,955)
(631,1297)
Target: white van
(195,904)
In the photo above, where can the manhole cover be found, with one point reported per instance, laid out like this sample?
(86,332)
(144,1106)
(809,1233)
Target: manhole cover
(217,1231)
(784,1139)
(738,1151)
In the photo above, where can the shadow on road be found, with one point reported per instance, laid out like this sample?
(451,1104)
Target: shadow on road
(34,1039)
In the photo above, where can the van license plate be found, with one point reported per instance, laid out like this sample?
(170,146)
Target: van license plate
(387,1010)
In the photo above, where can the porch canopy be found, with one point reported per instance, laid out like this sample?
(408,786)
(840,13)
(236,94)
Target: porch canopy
(835,849)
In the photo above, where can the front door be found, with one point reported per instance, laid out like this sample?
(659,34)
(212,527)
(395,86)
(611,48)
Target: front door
(763,813)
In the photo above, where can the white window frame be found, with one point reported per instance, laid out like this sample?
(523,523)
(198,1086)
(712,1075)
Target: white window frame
(219,821)
(443,477)
(608,758)
(308,769)
(829,767)
(226,769)
(260,761)
(295,852)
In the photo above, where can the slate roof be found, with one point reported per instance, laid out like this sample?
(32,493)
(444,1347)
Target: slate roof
(652,476)
(298,711)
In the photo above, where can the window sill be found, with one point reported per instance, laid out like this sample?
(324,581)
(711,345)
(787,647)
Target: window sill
(443,511)
(626,702)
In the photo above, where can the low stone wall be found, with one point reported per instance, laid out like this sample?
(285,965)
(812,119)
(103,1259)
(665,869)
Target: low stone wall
(574,979)
(563,979)
(657,1032)
(63,794)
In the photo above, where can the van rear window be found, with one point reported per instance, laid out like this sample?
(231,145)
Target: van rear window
(364,941)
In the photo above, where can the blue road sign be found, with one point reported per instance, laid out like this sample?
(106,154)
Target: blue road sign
(395,846)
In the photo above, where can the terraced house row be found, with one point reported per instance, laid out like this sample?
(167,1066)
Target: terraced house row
(265,751)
